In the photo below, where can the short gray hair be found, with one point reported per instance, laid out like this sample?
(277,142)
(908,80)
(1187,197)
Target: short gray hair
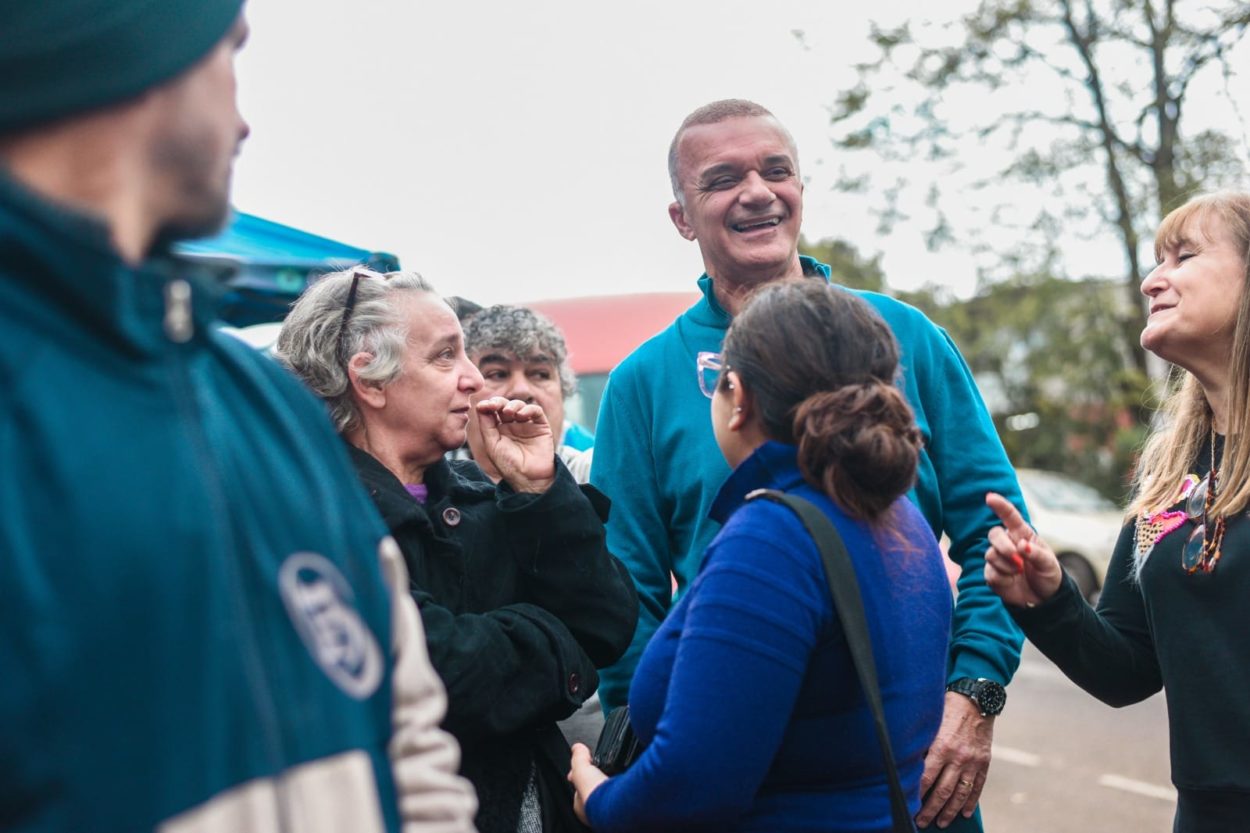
(309,343)
(715,113)
(522,332)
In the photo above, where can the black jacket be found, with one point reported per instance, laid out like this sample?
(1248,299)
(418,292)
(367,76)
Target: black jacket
(521,603)
(1183,633)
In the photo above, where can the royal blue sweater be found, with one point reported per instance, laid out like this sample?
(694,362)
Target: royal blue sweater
(747,699)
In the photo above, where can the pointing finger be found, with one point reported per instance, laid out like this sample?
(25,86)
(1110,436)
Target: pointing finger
(1010,516)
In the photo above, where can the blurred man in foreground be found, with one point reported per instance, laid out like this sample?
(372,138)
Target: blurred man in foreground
(198,633)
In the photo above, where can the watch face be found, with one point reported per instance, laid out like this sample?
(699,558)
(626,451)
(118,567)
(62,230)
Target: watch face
(990,696)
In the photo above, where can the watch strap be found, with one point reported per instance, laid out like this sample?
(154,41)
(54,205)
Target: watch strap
(973,689)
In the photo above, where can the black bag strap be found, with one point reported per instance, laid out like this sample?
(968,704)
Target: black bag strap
(840,573)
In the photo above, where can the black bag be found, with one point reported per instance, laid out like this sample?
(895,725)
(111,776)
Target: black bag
(617,747)
(840,573)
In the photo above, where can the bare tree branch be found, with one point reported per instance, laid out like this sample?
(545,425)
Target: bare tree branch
(1123,70)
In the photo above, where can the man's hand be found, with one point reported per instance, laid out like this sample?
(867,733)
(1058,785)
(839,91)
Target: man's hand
(957,763)
(519,442)
(585,778)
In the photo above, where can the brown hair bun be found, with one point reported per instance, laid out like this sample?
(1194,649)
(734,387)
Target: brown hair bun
(819,364)
(860,443)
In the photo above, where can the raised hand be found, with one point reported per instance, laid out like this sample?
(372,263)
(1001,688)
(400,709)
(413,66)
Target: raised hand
(519,442)
(1020,567)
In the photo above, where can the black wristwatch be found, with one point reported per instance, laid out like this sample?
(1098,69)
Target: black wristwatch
(989,696)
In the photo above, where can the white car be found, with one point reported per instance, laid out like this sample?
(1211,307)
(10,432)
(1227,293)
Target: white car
(1080,525)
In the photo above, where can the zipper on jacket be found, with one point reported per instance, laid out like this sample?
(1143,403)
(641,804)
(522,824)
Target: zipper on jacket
(179,326)
(178,303)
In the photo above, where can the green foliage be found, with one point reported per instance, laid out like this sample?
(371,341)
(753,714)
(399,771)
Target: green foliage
(849,102)
(1207,157)
(1043,345)
(850,268)
(1081,101)
(887,39)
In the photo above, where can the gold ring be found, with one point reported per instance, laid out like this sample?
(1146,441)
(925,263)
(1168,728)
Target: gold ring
(965,784)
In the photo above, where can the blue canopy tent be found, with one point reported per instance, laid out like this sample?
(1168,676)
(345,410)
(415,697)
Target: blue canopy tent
(265,265)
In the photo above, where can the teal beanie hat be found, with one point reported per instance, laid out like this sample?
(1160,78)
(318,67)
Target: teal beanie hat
(62,57)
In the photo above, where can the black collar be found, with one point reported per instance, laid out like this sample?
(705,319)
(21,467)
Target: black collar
(448,485)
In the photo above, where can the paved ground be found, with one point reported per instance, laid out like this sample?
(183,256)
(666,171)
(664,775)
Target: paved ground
(1064,762)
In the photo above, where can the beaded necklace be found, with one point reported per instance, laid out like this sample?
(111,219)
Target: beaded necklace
(1210,552)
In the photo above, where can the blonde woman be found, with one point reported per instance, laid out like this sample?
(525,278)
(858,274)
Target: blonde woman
(1174,612)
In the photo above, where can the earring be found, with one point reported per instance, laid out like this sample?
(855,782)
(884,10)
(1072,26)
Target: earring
(738,410)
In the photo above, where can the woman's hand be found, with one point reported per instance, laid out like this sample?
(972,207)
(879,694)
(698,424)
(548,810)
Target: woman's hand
(1019,566)
(519,442)
(585,778)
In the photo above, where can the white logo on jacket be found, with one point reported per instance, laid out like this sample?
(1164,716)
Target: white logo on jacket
(321,604)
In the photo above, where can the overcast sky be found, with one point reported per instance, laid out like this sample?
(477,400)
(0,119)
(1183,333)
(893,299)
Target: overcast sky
(514,151)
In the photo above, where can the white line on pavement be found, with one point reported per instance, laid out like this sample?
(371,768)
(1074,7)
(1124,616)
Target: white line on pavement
(1119,782)
(1015,756)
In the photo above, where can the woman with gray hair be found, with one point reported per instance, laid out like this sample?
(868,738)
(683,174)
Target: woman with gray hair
(521,600)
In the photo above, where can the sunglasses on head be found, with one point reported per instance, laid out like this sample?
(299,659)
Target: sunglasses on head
(349,307)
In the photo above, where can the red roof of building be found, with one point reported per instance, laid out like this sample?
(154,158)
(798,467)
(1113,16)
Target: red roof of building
(602,330)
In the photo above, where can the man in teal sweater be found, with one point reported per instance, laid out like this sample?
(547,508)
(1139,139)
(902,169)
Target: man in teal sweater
(739,196)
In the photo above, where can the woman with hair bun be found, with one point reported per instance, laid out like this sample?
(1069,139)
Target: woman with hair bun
(746,701)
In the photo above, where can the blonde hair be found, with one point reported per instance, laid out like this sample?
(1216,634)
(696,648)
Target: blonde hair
(1185,417)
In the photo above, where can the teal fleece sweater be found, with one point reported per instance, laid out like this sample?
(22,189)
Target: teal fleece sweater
(192,602)
(657,459)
